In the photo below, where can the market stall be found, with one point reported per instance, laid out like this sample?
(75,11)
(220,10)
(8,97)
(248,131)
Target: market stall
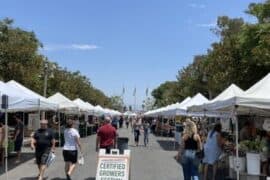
(254,103)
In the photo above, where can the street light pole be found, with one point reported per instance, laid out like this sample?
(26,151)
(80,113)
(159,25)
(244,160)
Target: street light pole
(205,80)
(46,67)
(45,79)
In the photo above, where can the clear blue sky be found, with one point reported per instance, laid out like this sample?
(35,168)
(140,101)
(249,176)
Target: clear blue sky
(120,43)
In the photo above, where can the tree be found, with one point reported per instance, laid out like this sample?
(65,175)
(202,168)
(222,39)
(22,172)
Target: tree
(117,103)
(148,104)
(165,94)
(241,56)
(19,57)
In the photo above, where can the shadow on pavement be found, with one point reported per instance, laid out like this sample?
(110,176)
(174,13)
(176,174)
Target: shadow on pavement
(136,146)
(57,178)
(11,161)
(168,145)
(91,178)
(33,178)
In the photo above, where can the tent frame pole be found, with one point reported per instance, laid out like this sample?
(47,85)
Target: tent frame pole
(23,128)
(236,142)
(59,128)
(6,143)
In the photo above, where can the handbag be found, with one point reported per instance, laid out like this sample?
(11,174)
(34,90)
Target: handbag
(81,160)
(200,154)
(50,159)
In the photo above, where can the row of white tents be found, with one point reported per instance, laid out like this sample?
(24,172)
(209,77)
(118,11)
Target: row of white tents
(255,100)
(231,102)
(23,99)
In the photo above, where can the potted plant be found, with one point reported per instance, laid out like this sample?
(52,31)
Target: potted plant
(253,150)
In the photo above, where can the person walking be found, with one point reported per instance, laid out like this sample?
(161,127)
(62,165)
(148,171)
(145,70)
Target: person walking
(121,121)
(18,137)
(212,150)
(115,122)
(137,133)
(106,136)
(70,149)
(43,142)
(146,127)
(154,125)
(190,145)
(127,122)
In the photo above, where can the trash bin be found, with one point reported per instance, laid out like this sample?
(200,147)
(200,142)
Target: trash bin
(122,144)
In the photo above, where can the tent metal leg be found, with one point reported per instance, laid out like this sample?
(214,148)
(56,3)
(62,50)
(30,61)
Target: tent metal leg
(6,144)
(237,145)
(59,128)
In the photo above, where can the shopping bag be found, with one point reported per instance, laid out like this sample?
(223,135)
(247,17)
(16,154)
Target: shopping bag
(50,159)
(81,160)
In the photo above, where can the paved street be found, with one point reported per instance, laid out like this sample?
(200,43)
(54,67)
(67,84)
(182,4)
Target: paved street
(154,162)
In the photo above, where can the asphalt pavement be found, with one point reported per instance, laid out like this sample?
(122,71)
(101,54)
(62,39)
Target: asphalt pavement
(154,162)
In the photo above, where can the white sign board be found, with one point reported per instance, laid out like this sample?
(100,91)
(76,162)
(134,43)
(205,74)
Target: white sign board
(113,166)
(33,121)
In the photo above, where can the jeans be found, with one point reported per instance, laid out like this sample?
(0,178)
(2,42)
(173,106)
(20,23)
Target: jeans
(146,135)
(190,165)
(136,135)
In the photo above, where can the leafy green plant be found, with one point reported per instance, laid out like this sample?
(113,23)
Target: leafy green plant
(255,146)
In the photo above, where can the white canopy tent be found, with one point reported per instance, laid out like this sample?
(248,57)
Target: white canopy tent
(90,107)
(17,100)
(181,109)
(255,101)
(99,111)
(130,114)
(65,104)
(44,104)
(231,91)
(161,111)
(83,107)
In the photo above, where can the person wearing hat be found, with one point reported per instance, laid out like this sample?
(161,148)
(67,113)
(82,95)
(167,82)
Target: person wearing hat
(43,143)
(70,149)
(106,136)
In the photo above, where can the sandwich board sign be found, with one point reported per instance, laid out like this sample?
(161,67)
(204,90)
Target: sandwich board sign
(113,166)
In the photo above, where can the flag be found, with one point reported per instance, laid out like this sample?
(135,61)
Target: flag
(146,91)
(123,91)
(134,92)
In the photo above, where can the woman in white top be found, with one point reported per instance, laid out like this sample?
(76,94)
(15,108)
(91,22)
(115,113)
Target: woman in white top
(70,149)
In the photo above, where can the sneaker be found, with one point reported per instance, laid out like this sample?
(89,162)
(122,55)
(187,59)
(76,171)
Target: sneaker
(68,177)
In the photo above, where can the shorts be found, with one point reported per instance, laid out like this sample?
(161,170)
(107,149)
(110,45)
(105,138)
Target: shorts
(107,148)
(42,157)
(18,145)
(70,156)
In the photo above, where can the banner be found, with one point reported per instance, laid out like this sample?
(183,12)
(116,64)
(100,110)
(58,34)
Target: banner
(113,166)
(33,121)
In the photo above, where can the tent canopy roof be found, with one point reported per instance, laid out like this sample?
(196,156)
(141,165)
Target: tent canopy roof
(65,104)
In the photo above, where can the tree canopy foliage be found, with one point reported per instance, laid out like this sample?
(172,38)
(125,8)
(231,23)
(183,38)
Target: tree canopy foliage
(21,60)
(241,56)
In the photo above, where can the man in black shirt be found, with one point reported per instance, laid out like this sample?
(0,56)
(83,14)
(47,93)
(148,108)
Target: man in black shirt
(43,142)
(18,138)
